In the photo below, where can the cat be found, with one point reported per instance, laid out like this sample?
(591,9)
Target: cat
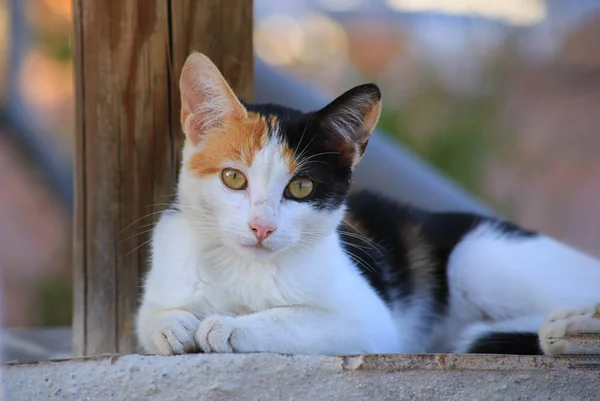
(266,249)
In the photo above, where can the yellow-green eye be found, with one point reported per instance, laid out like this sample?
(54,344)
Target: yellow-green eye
(234,179)
(300,188)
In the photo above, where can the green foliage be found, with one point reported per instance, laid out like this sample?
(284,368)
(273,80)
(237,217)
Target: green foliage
(56,42)
(58,46)
(55,300)
(454,134)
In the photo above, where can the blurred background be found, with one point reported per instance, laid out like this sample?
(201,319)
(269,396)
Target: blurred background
(501,96)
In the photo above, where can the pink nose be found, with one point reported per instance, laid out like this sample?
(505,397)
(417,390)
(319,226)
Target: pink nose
(261,231)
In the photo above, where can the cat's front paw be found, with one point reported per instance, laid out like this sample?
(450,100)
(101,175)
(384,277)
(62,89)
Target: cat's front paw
(572,332)
(223,334)
(173,333)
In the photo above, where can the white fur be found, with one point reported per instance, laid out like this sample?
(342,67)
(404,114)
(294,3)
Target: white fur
(210,288)
(503,283)
(572,331)
(206,289)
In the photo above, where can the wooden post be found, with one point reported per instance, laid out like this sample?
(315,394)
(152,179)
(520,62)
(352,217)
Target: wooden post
(128,56)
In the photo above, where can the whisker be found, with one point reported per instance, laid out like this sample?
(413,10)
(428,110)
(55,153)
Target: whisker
(141,218)
(161,204)
(375,246)
(135,235)
(361,247)
(302,137)
(360,235)
(373,259)
(321,154)
(304,162)
(307,146)
(136,248)
(360,261)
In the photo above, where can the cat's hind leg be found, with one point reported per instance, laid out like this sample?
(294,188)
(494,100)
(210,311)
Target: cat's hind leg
(515,337)
(506,276)
(572,332)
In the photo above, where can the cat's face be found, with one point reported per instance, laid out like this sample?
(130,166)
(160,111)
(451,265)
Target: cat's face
(264,180)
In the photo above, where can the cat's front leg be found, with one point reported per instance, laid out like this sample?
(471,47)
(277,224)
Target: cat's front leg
(216,334)
(276,330)
(164,323)
(168,332)
(292,330)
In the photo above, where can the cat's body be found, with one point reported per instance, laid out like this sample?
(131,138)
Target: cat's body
(454,277)
(265,251)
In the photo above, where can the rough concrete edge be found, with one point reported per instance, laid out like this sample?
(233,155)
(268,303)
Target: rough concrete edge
(299,377)
(382,363)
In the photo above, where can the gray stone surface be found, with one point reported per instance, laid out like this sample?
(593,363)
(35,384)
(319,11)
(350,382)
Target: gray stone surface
(280,377)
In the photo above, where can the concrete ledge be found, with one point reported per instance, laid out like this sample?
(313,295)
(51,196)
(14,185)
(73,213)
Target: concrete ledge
(281,377)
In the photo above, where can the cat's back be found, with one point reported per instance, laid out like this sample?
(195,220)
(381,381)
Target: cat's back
(403,250)
(400,227)
(380,215)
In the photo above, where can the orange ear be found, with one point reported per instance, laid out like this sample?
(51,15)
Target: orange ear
(207,101)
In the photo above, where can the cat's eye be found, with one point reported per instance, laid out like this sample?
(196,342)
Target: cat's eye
(300,188)
(234,179)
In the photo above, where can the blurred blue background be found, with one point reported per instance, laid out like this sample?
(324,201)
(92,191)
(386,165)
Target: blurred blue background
(501,96)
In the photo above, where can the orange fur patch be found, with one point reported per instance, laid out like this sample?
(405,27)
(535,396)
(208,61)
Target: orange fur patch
(370,121)
(237,140)
(372,116)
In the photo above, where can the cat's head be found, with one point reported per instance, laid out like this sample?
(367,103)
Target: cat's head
(265,179)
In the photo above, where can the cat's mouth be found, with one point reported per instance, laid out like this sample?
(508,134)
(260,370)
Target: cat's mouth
(258,247)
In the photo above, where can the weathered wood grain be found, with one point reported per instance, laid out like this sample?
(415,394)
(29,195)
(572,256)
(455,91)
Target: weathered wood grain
(128,55)
(220,29)
(79,270)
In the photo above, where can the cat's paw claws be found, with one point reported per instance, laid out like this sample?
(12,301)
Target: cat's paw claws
(572,332)
(218,334)
(174,333)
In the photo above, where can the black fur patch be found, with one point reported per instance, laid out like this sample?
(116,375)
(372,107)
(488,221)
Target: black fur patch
(384,252)
(507,344)
(397,229)
(390,231)
(324,155)
(317,159)
(511,230)
(402,251)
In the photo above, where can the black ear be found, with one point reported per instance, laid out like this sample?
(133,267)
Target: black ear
(351,118)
